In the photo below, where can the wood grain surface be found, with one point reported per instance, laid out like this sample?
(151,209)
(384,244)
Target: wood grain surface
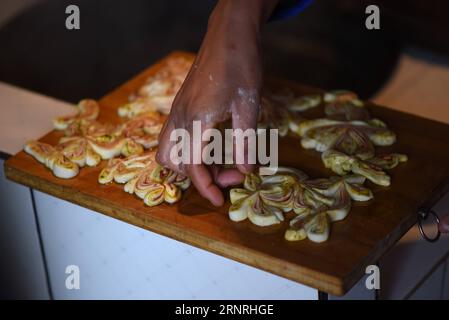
(335,266)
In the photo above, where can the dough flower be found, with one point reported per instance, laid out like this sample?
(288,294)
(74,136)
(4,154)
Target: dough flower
(345,105)
(87,109)
(157,184)
(159,91)
(53,159)
(78,150)
(315,224)
(143,129)
(355,138)
(123,170)
(372,169)
(264,198)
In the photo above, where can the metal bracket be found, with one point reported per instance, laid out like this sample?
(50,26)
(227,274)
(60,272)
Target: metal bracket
(423,214)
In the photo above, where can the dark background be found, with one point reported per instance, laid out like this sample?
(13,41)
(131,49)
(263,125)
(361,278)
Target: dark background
(326,46)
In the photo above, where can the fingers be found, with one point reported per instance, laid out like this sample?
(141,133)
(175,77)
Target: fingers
(165,146)
(200,176)
(244,116)
(207,178)
(202,179)
(226,177)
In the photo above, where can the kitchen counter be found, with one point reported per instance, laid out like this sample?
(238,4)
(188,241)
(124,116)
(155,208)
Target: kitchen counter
(26,115)
(80,230)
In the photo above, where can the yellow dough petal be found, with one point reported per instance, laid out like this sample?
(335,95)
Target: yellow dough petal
(75,149)
(107,146)
(92,158)
(295,235)
(144,183)
(62,167)
(53,159)
(130,147)
(261,214)
(237,194)
(318,228)
(39,150)
(182,182)
(87,109)
(252,182)
(172,193)
(130,186)
(107,174)
(304,103)
(238,211)
(154,195)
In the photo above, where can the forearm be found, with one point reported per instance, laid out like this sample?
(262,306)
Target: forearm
(247,14)
(232,40)
(235,20)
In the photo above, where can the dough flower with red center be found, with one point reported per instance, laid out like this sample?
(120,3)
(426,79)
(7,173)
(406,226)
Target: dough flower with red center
(123,170)
(157,184)
(372,168)
(53,159)
(354,138)
(264,199)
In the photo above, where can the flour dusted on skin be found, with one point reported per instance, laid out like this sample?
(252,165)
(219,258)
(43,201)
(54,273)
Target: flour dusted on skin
(248,94)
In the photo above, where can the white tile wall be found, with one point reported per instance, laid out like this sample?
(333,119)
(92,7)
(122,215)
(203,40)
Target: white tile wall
(432,288)
(22,270)
(120,261)
(446,281)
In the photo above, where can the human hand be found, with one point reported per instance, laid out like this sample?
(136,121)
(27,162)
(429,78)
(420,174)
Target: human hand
(223,84)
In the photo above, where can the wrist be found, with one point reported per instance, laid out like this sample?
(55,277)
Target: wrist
(232,25)
(247,13)
(255,11)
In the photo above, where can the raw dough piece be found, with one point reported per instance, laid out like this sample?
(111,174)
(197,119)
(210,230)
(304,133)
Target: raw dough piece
(107,145)
(287,98)
(345,105)
(315,227)
(52,159)
(78,150)
(137,107)
(274,116)
(303,103)
(87,109)
(262,200)
(343,164)
(86,127)
(157,184)
(315,224)
(143,129)
(159,90)
(355,138)
(123,170)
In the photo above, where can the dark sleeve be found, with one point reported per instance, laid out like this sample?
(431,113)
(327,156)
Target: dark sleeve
(287,9)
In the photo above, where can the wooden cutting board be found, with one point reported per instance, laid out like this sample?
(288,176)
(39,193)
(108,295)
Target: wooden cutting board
(334,266)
